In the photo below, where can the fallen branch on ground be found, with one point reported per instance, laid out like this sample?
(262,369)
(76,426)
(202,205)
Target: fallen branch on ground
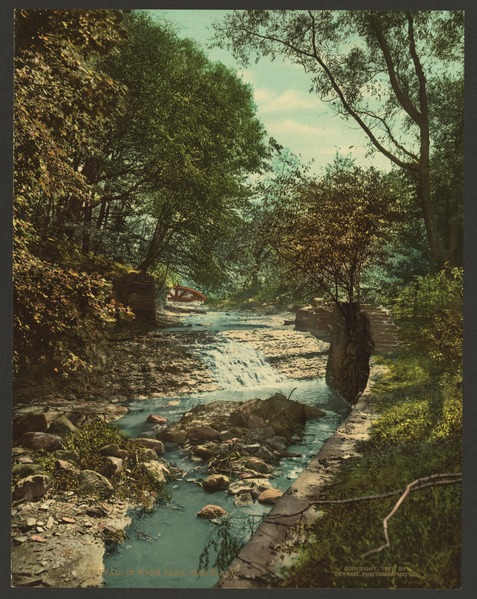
(455,476)
(447,478)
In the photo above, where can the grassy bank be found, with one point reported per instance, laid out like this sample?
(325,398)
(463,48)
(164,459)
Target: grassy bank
(418,434)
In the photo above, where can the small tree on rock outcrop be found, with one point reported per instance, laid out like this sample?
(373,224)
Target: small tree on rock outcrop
(328,234)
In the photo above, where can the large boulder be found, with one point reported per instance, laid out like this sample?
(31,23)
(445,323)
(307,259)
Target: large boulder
(155,444)
(214,414)
(138,291)
(210,512)
(156,470)
(266,455)
(30,422)
(199,434)
(271,495)
(94,484)
(205,451)
(113,450)
(216,482)
(246,419)
(173,435)
(279,407)
(41,441)
(62,426)
(31,488)
(149,454)
(257,465)
(284,415)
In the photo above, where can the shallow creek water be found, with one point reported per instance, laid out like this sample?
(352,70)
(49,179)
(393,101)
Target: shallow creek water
(163,547)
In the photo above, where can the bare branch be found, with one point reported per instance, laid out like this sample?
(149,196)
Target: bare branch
(418,68)
(349,109)
(389,133)
(404,100)
(352,112)
(433,480)
(416,485)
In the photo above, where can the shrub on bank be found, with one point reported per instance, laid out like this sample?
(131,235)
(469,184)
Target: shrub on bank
(132,482)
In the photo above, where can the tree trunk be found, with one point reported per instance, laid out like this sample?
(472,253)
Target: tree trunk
(87,220)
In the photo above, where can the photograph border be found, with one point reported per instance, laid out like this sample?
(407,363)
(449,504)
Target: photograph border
(469,529)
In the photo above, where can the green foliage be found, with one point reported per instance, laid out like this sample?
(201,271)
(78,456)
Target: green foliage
(417,434)
(406,422)
(63,103)
(179,155)
(332,229)
(387,71)
(133,482)
(60,316)
(424,554)
(255,271)
(404,251)
(87,440)
(429,313)
(433,413)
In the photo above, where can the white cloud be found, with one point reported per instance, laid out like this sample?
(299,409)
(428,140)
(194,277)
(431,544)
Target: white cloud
(263,96)
(288,101)
(295,128)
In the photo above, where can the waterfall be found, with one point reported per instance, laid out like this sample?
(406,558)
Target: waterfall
(235,365)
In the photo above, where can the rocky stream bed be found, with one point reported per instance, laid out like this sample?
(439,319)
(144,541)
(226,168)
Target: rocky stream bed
(59,538)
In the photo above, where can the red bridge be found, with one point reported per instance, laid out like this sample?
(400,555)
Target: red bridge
(178,293)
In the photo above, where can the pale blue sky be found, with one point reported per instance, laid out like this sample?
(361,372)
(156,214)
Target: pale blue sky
(294,117)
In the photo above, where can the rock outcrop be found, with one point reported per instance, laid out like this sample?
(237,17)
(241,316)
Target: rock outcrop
(31,488)
(351,346)
(137,290)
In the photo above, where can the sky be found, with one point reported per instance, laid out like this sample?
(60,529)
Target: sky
(297,119)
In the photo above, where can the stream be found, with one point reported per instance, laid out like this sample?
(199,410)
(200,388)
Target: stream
(163,547)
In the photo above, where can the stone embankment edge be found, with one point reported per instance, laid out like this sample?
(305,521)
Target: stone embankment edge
(261,558)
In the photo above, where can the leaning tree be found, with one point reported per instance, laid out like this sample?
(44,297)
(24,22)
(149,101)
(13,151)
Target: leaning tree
(383,70)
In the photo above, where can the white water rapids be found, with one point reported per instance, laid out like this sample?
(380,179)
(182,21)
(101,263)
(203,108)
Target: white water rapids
(235,364)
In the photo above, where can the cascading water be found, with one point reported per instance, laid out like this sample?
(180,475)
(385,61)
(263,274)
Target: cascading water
(235,364)
(163,547)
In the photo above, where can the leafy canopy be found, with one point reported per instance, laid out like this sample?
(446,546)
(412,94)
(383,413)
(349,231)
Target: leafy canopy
(332,229)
